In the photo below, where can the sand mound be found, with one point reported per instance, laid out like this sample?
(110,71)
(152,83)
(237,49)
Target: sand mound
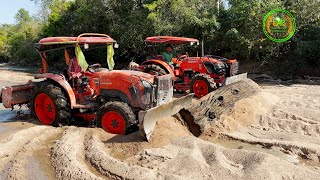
(245,113)
(122,147)
(277,119)
(211,112)
(191,158)
(79,150)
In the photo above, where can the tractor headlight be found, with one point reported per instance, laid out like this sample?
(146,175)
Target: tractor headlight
(147,93)
(164,89)
(147,86)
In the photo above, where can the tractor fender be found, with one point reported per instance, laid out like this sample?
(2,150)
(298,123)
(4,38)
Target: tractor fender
(162,64)
(63,83)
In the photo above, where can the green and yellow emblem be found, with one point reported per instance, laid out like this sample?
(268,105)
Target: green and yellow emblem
(279,25)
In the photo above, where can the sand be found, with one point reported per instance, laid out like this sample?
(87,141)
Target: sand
(293,124)
(241,131)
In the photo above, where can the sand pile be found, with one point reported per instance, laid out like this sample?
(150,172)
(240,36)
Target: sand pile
(212,112)
(122,147)
(292,125)
(245,112)
(192,158)
(184,158)
(94,154)
(187,157)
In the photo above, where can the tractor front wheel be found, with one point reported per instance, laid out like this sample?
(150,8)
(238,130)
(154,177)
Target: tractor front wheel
(50,105)
(202,84)
(115,117)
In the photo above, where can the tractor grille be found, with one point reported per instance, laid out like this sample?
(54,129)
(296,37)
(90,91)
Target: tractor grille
(164,91)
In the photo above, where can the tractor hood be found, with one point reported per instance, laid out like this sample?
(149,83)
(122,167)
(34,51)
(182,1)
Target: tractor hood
(118,76)
(136,88)
(206,59)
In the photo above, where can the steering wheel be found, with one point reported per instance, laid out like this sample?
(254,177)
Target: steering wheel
(182,57)
(92,67)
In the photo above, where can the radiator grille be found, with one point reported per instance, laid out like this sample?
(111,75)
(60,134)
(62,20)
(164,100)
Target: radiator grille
(165,89)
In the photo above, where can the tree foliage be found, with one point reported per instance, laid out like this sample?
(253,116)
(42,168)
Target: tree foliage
(194,18)
(16,41)
(230,28)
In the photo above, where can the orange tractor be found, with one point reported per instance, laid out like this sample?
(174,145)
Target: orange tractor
(114,100)
(200,75)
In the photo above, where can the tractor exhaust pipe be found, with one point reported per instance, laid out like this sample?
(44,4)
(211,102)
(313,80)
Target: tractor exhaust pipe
(202,48)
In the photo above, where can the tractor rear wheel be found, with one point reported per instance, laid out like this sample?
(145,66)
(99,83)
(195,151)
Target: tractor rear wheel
(50,104)
(202,84)
(154,70)
(115,117)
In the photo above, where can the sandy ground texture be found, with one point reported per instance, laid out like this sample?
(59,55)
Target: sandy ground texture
(239,132)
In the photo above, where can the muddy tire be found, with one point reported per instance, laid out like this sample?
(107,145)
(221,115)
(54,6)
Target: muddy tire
(116,117)
(50,104)
(202,84)
(154,70)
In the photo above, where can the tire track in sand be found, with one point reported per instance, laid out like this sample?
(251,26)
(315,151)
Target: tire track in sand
(15,142)
(111,167)
(18,169)
(304,150)
(294,124)
(67,156)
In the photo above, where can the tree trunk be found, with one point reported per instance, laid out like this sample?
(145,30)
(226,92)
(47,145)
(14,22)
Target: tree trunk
(218,6)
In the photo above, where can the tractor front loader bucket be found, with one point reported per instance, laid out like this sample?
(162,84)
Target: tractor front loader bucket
(236,78)
(149,118)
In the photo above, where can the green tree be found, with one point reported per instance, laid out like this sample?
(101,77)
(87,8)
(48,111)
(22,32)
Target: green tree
(20,40)
(5,32)
(193,18)
(23,16)
(230,28)
(241,35)
(126,21)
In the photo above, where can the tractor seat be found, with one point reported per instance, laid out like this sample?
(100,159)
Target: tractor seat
(159,57)
(74,69)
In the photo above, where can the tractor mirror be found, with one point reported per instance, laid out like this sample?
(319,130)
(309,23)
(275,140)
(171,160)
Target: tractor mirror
(86,46)
(116,45)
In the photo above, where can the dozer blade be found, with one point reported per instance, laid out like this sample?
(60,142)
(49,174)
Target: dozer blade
(236,78)
(149,118)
